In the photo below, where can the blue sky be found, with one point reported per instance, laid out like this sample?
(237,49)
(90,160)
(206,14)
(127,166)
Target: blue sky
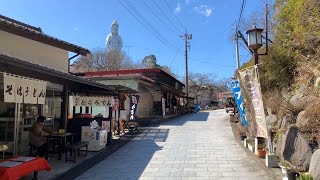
(87,23)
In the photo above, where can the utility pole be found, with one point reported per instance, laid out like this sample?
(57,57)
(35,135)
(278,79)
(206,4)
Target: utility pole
(187,37)
(237,49)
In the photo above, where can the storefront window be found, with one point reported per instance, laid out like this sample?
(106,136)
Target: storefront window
(28,115)
(7,111)
(52,109)
(100,112)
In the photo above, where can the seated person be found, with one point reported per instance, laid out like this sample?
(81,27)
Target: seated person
(36,137)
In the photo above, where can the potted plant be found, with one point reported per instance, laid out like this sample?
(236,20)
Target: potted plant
(287,170)
(261,151)
(305,176)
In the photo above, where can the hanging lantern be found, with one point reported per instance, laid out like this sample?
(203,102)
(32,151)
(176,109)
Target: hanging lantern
(254,38)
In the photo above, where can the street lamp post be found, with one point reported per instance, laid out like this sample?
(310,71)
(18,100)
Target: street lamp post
(255,41)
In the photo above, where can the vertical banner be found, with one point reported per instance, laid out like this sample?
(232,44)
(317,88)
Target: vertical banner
(19,89)
(28,94)
(35,92)
(252,90)
(134,99)
(238,98)
(42,92)
(9,88)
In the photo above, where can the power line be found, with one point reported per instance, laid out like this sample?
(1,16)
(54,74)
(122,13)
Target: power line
(174,14)
(192,59)
(223,32)
(161,20)
(142,23)
(150,25)
(241,12)
(245,48)
(181,32)
(173,59)
(132,10)
(217,37)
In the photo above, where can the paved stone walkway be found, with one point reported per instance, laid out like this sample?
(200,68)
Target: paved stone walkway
(196,146)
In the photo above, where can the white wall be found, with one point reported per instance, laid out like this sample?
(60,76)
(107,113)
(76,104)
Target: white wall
(33,51)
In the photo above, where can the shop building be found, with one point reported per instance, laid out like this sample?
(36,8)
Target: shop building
(160,94)
(35,80)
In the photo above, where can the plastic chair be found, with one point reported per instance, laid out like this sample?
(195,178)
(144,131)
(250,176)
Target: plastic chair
(3,149)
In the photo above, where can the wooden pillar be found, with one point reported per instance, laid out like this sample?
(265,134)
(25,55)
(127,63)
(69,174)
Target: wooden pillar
(64,108)
(110,134)
(73,111)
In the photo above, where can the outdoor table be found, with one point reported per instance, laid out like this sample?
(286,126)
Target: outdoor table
(16,172)
(62,140)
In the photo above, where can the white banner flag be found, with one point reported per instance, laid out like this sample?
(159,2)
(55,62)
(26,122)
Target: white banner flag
(9,88)
(252,91)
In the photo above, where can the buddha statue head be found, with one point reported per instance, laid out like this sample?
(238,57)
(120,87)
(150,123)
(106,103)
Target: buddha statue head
(114,27)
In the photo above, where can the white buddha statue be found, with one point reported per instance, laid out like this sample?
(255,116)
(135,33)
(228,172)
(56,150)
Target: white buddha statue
(114,41)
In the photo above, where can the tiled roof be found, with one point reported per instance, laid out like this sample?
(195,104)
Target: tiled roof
(21,29)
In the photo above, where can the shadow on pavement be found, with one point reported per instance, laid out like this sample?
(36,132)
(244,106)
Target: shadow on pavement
(130,161)
(180,121)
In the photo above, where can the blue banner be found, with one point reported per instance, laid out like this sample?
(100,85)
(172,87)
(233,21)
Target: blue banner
(238,98)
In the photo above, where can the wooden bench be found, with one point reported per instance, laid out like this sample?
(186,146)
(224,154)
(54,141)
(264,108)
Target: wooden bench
(73,148)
